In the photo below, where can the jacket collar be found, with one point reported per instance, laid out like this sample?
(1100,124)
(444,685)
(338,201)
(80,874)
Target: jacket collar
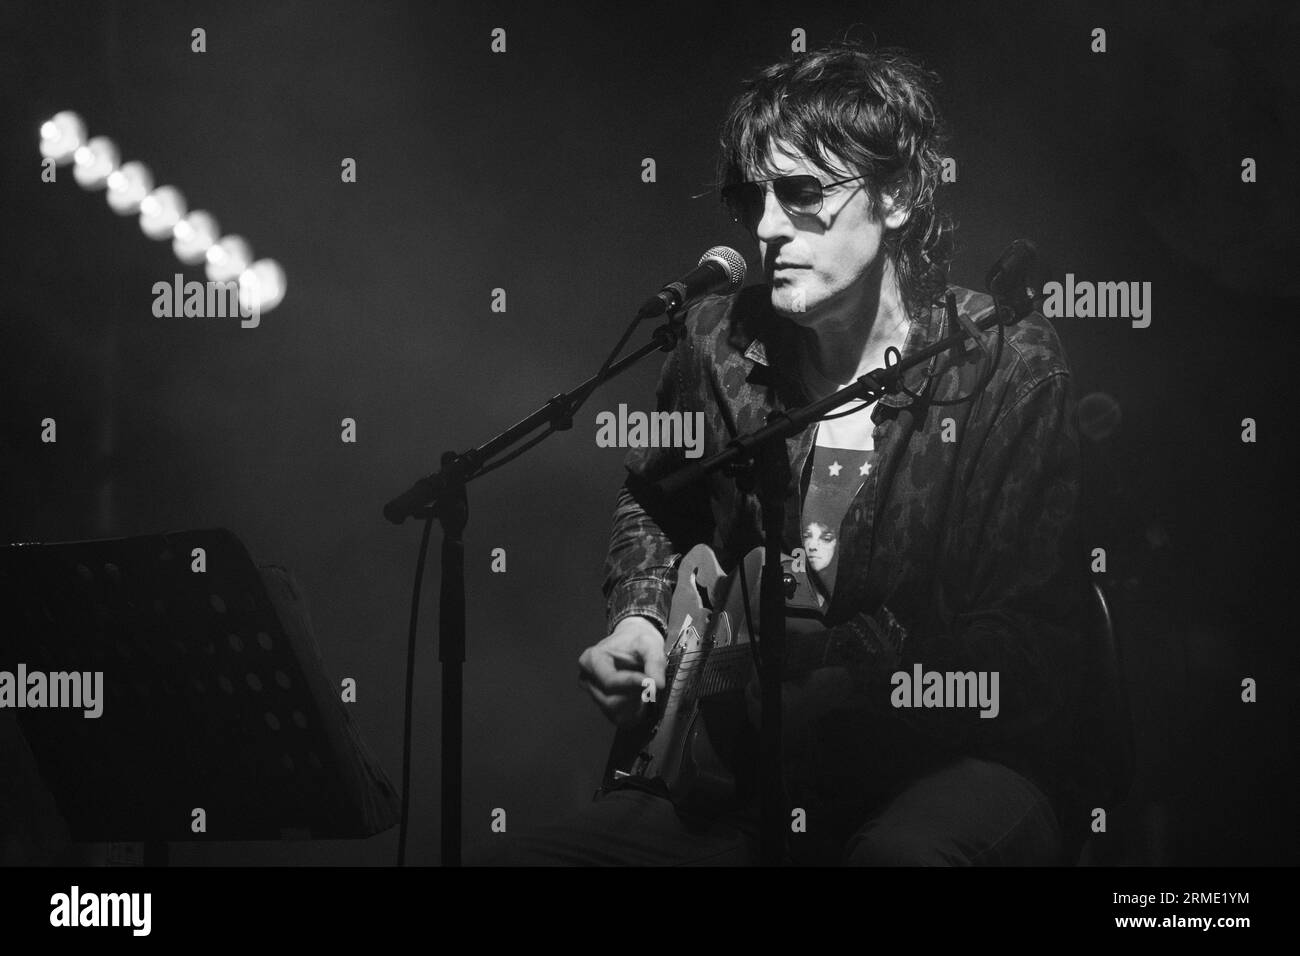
(929,325)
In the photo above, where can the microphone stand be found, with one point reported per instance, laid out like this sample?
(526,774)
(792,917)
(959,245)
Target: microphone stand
(766,447)
(442,495)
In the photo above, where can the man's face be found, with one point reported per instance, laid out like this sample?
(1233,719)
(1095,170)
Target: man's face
(815,261)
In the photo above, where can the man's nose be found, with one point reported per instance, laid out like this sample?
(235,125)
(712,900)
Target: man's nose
(775,221)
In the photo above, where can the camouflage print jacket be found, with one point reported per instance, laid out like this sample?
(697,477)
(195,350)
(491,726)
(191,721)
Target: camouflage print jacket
(956,554)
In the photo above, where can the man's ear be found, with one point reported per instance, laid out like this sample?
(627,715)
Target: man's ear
(896,206)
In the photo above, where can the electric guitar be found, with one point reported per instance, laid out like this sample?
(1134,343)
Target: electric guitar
(697,745)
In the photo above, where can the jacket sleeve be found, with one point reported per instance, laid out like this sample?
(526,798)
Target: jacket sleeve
(1008,592)
(650,531)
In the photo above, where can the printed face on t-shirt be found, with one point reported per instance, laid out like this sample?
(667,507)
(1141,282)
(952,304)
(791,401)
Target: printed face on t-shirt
(819,545)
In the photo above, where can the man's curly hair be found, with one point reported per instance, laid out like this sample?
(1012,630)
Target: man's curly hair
(874,110)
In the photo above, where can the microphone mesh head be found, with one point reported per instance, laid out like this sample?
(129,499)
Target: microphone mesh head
(732,261)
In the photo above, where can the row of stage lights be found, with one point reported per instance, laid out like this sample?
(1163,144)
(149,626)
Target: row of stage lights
(163,211)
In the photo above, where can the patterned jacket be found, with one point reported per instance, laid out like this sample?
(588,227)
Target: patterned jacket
(959,554)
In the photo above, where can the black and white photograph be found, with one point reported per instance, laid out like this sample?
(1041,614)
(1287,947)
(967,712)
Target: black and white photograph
(498,436)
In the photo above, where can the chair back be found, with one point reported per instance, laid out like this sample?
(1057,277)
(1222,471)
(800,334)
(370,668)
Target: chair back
(1112,718)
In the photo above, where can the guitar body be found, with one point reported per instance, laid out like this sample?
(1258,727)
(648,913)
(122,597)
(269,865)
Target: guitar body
(697,743)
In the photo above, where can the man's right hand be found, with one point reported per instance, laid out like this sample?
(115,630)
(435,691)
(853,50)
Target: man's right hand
(614,671)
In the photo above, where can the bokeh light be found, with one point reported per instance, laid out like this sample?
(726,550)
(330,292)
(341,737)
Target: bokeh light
(61,136)
(228,258)
(262,285)
(160,211)
(128,186)
(194,236)
(94,162)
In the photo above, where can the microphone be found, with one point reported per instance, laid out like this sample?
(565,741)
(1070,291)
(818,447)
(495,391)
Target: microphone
(1010,274)
(720,267)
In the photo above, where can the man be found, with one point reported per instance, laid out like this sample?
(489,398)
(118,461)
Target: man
(952,518)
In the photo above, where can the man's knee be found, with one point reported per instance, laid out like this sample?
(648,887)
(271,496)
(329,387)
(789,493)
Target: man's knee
(900,846)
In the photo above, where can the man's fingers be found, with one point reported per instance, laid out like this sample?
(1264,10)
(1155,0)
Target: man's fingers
(603,700)
(616,670)
(619,682)
(620,708)
(656,666)
(654,662)
(599,668)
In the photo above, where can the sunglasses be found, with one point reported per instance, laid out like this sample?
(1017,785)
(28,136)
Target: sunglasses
(798,195)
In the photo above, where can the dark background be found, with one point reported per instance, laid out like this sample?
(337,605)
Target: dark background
(522,171)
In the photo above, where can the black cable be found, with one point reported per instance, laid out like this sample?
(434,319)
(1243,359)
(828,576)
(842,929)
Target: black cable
(851,411)
(978,389)
(893,356)
(410,686)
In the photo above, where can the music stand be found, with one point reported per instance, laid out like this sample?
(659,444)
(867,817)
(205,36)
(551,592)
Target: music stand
(213,695)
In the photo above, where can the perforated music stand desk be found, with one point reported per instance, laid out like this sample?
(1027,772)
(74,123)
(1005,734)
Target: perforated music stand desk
(212,698)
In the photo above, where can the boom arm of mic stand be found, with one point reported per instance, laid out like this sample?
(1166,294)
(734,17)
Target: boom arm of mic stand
(459,470)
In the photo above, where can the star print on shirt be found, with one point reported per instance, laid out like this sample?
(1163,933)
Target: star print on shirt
(866,467)
(835,469)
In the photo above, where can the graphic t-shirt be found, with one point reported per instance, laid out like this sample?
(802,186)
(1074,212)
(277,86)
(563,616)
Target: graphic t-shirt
(842,457)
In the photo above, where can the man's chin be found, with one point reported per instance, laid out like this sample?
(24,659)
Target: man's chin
(789,302)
